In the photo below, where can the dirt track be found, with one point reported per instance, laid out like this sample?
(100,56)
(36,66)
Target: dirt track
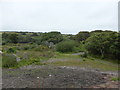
(52,77)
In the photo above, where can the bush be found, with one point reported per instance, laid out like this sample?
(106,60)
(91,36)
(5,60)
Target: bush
(65,46)
(11,50)
(9,61)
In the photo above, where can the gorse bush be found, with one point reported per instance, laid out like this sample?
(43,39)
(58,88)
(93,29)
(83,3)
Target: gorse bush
(9,60)
(65,46)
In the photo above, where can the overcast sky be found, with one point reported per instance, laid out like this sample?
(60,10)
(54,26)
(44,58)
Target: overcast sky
(66,16)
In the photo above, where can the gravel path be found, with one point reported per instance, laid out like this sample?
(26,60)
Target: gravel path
(52,77)
(81,53)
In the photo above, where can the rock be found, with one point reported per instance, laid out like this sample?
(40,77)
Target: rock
(104,74)
(50,75)
(17,58)
(97,69)
(1,52)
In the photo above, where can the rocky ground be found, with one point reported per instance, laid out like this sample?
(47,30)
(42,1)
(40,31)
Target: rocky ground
(56,77)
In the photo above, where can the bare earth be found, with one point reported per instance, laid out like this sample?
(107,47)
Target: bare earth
(57,77)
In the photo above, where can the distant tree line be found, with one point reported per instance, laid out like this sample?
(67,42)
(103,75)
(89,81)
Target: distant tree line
(98,42)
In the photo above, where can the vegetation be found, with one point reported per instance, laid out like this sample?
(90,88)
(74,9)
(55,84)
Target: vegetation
(65,46)
(9,61)
(25,48)
(81,36)
(115,79)
(54,37)
(89,62)
(104,44)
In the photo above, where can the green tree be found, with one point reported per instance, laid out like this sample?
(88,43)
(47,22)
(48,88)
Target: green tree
(104,43)
(82,36)
(25,39)
(13,38)
(54,37)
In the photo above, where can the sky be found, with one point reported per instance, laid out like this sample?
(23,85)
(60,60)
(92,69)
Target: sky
(66,16)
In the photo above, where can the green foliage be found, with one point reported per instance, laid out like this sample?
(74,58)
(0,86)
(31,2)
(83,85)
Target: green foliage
(84,55)
(102,44)
(115,79)
(37,40)
(84,59)
(41,48)
(25,39)
(98,42)
(14,38)
(25,47)
(30,61)
(65,46)
(82,36)
(54,37)
(9,38)
(11,50)
(77,49)
(34,61)
(81,47)
(8,61)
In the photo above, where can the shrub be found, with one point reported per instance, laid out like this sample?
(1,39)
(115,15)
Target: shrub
(84,59)
(11,50)
(9,60)
(65,46)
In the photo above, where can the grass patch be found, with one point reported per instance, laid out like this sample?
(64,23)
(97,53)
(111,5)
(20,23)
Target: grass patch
(35,54)
(65,56)
(74,60)
(115,79)
(9,61)
(91,56)
(30,61)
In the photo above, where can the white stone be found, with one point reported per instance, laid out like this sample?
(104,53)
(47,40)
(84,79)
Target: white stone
(1,52)
(50,75)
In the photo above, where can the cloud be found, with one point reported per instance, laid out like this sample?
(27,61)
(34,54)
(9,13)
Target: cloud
(67,17)
(59,0)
